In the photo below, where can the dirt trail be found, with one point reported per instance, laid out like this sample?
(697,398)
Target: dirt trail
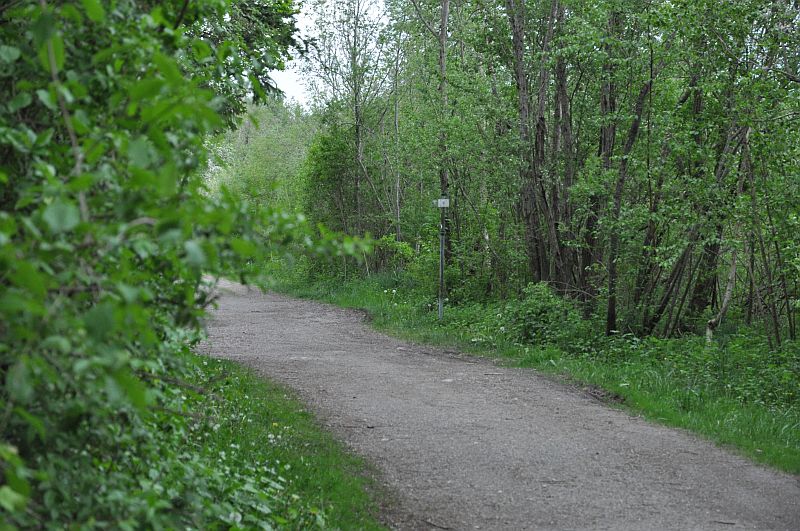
(465,444)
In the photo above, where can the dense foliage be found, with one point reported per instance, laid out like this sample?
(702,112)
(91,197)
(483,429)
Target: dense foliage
(106,232)
(260,160)
(641,158)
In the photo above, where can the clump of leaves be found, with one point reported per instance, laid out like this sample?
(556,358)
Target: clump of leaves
(540,316)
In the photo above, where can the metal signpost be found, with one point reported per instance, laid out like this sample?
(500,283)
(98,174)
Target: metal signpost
(442,204)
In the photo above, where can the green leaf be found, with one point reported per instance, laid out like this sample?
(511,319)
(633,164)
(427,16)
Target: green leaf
(58,53)
(10,454)
(58,343)
(10,500)
(94,10)
(81,182)
(201,49)
(9,54)
(168,68)
(18,382)
(14,303)
(99,321)
(47,99)
(139,152)
(146,88)
(43,29)
(61,216)
(43,138)
(20,101)
(194,254)
(27,277)
(135,390)
(33,421)
(14,469)
(130,294)
(244,248)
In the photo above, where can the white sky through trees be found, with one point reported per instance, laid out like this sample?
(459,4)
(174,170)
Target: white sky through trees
(290,81)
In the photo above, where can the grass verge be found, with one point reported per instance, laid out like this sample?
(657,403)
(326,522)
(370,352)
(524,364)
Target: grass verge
(261,425)
(721,394)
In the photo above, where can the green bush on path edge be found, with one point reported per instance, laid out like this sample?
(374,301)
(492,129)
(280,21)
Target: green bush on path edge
(224,449)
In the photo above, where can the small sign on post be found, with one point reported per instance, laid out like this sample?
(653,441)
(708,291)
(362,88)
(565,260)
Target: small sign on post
(441,203)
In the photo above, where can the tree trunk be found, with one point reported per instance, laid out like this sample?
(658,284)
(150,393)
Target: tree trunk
(714,322)
(357,114)
(613,252)
(567,149)
(515,10)
(608,131)
(444,169)
(533,199)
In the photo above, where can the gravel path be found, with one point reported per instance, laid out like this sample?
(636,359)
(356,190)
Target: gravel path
(465,444)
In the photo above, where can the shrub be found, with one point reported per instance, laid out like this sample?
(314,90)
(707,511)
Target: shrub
(541,317)
(106,232)
(391,254)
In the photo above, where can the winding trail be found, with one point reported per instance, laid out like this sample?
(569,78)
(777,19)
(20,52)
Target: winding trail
(465,444)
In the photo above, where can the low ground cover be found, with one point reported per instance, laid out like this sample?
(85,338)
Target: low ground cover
(260,427)
(217,448)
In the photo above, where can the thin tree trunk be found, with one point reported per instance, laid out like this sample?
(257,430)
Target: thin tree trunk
(567,144)
(397,175)
(444,169)
(751,289)
(770,296)
(780,265)
(533,197)
(614,241)
(357,115)
(715,321)
(676,320)
(515,10)
(672,284)
(608,131)
(549,209)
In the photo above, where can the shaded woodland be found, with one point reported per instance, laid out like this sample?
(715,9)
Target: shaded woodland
(641,158)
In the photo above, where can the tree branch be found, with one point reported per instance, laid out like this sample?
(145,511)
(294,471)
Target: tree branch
(424,22)
(181,15)
(77,153)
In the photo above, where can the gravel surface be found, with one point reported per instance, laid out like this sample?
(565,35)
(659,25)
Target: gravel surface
(462,443)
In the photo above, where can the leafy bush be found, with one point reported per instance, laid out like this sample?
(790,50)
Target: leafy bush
(741,367)
(106,232)
(391,254)
(542,317)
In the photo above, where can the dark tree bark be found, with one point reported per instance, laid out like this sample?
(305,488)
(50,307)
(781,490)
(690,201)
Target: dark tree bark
(613,252)
(542,245)
(591,253)
(515,10)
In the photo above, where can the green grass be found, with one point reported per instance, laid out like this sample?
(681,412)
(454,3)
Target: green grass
(259,423)
(673,382)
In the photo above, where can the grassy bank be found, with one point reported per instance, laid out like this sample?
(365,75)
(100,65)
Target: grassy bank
(735,393)
(216,448)
(258,426)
